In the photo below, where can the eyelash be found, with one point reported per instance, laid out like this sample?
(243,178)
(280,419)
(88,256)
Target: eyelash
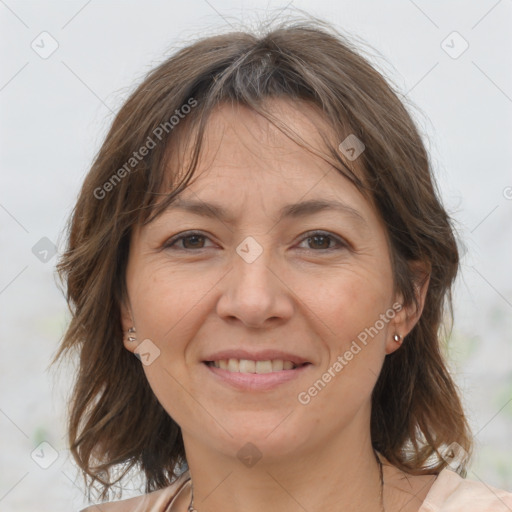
(310,234)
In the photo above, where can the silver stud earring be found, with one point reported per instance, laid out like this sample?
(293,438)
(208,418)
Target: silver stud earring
(397,338)
(131,330)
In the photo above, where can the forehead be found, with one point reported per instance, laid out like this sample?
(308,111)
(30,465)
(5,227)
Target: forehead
(247,167)
(250,172)
(242,145)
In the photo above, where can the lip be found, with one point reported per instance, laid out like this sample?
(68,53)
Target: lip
(255,381)
(261,355)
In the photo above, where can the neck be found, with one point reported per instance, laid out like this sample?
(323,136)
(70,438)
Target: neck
(341,476)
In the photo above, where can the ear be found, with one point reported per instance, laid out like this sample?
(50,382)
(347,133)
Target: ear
(126,324)
(407,316)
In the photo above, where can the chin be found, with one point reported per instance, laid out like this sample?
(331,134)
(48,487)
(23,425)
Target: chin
(272,435)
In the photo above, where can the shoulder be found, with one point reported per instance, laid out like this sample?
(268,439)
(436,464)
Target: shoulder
(445,492)
(156,501)
(452,493)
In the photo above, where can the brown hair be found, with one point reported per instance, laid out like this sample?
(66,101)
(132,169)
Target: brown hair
(114,417)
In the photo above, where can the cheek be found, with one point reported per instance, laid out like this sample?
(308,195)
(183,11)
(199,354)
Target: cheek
(168,308)
(351,299)
(348,318)
(347,323)
(165,300)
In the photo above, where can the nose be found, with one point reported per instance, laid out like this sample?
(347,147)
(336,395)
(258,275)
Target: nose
(254,293)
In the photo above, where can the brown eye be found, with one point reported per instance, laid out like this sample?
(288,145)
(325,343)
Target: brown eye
(193,241)
(322,241)
(189,241)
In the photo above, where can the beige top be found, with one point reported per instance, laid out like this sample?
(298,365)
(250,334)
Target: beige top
(449,493)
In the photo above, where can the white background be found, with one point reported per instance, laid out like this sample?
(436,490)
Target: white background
(55,111)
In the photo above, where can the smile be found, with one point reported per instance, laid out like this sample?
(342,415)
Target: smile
(254,375)
(251,366)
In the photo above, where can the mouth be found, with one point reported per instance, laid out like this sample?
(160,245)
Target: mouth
(255,366)
(254,375)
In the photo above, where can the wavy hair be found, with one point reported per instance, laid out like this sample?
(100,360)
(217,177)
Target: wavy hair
(114,418)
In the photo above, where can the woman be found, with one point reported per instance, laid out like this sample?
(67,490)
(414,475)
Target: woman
(262,231)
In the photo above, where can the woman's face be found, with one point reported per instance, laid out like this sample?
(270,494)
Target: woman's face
(259,286)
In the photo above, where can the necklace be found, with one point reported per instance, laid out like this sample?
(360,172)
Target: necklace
(192,509)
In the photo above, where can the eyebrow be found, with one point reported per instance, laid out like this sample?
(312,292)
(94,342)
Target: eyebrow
(293,210)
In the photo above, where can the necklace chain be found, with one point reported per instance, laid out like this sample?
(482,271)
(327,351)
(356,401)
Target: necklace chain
(192,509)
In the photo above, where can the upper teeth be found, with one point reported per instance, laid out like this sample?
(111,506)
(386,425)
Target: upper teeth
(249,366)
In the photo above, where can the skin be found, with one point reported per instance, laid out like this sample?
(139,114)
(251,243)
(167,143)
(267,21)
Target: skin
(297,296)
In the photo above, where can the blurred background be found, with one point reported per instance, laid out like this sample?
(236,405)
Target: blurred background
(66,68)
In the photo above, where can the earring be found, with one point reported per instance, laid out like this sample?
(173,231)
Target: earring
(131,330)
(397,338)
